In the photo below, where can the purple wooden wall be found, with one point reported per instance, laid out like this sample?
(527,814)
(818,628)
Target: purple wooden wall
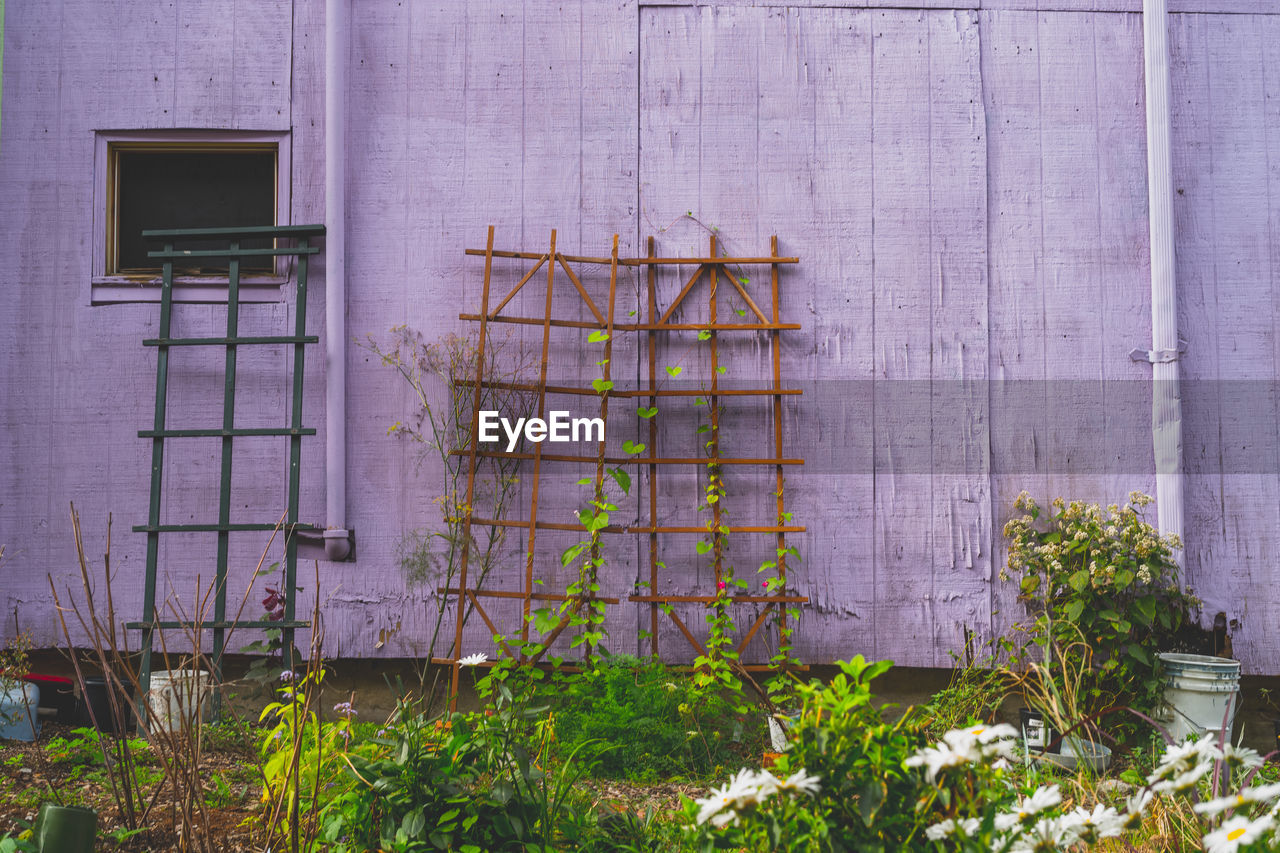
(964,184)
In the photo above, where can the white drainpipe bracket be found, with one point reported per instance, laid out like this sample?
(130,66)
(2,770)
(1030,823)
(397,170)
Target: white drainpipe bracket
(1159,356)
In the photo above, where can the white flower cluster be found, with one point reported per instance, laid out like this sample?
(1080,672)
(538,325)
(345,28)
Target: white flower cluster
(966,746)
(1027,825)
(749,788)
(1025,829)
(1184,765)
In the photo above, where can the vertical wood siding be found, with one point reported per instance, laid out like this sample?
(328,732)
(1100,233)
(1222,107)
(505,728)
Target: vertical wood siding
(964,186)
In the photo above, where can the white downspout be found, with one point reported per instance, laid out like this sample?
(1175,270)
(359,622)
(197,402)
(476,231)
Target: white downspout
(1166,402)
(336,538)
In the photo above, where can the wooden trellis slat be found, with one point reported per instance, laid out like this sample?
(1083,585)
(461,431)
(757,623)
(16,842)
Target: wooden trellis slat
(711,269)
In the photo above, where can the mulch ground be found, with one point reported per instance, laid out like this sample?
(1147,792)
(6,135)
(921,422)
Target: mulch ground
(28,777)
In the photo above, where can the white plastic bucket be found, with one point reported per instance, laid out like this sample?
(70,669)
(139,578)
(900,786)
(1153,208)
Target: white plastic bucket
(1201,693)
(180,694)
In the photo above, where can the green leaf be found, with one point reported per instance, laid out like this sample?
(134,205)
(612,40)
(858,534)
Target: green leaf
(704,335)
(1138,653)
(1030,584)
(1074,608)
(601,385)
(415,821)
(598,336)
(622,478)
(1079,580)
(702,546)
(675,371)
(647,413)
(1123,578)
(721,369)
(1144,610)
(871,795)
(629,447)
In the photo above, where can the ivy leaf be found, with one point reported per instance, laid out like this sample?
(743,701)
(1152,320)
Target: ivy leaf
(647,413)
(598,336)
(629,447)
(704,335)
(601,385)
(674,371)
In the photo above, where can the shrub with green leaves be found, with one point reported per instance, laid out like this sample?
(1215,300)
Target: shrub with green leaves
(644,722)
(842,784)
(1107,576)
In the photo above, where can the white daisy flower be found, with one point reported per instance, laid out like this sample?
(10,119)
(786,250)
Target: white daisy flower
(1260,794)
(473,660)
(1241,757)
(1098,823)
(1047,834)
(1180,759)
(945,829)
(986,734)
(1044,797)
(936,758)
(797,783)
(1236,832)
(1184,782)
(1135,807)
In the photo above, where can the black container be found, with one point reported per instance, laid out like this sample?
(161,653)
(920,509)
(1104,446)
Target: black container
(97,707)
(1037,734)
(59,695)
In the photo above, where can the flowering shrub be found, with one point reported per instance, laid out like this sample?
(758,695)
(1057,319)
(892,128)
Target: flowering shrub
(860,795)
(974,804)
(1109,577)
(757,810)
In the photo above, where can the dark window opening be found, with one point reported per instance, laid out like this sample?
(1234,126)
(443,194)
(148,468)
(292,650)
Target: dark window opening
(190,189)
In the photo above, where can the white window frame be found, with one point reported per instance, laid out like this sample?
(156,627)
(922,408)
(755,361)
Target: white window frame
(111,288)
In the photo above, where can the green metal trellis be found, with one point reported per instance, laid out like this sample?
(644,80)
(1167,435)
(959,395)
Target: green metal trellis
(301,235)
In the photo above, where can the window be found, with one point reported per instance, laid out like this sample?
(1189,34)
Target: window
(193,179)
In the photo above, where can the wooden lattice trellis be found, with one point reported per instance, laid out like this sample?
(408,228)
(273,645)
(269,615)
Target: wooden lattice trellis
(712,269)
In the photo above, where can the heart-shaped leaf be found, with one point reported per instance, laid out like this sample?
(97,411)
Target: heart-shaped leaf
(704,335)
(674,371)
(628,447)
(622,478)
(598,336)
(647,413)
(702,546)
(601,385)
